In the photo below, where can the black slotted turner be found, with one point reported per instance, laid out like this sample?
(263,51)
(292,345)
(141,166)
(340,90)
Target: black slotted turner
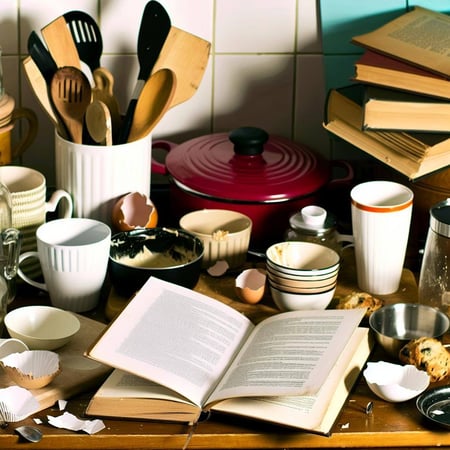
(87,37)
(153,31)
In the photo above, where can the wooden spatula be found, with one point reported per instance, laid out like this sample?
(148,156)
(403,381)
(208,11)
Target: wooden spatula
(187,56)
(39,87)
(60,43)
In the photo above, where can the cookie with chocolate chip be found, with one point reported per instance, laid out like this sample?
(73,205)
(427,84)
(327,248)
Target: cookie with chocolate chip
(428,354)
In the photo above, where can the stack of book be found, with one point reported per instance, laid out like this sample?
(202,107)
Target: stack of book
(399,108)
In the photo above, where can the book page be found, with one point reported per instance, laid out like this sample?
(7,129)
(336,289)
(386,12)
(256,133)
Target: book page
(313,412)
(121,384)
(419,37)
(289,354)
(175,337)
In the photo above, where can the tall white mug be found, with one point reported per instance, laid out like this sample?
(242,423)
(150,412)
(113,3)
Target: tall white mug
(381,218)
(73,254)
(96,176)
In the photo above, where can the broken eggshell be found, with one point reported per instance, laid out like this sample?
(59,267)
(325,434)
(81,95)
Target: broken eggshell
(32,369)
(218,269)
(134,210)
(394,382)
(250,285)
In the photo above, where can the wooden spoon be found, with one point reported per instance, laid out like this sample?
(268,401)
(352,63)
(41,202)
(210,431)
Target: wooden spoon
(98,122)
(153,102)
(71,94)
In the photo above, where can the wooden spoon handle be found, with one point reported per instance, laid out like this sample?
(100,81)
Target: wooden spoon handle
(104,91)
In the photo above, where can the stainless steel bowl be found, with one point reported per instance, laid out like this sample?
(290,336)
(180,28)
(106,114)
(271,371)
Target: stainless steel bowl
(396,325)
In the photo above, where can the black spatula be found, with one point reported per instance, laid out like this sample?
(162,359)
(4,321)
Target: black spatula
(87,37)
(154,28)
(41,57)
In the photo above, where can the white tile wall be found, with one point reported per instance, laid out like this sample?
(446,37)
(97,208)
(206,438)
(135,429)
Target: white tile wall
(265,67)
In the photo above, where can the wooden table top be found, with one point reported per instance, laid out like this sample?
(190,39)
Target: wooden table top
(389,426)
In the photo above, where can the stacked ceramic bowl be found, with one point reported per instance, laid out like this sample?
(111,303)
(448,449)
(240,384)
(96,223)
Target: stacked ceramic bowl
(302,275)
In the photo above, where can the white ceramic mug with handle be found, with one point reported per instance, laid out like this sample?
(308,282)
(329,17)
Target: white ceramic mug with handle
(73,254)
(29,205)
(381,218)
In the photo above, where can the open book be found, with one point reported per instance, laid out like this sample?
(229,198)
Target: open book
(419,37)
(188,353)
(412,154)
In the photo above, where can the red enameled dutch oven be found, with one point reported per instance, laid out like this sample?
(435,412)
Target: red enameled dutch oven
(268,178)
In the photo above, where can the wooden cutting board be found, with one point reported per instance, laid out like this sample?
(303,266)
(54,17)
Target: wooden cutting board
(78,373)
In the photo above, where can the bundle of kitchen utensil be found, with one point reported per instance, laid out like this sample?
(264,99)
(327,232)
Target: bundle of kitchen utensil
(66,76)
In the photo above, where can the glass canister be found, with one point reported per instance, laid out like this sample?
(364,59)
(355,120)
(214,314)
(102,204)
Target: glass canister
(314,224)
(434,279)
(9,253)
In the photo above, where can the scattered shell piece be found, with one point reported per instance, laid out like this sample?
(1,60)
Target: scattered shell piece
(73,423)
(218,269)
(394,382)
(250,285)
(17,404)
(32,369)
(134,210)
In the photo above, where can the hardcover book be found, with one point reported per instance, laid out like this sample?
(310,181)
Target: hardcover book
(389,109)
(412,154)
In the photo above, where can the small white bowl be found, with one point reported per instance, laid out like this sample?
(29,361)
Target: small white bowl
(288,301)
(225,234)
(395,383)
(302,258)
(42,327)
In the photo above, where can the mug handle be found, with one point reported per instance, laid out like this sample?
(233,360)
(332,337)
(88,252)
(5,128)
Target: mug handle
(54,200)
(30,116)
(24,277)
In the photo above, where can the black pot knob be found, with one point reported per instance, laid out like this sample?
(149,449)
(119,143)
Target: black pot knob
(248,141)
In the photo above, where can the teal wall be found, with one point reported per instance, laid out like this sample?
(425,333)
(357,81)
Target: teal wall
(343,19)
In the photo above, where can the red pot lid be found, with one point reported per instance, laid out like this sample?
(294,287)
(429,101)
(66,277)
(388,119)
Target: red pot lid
(247,165)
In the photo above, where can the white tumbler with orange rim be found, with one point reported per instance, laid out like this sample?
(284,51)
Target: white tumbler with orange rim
(381,218)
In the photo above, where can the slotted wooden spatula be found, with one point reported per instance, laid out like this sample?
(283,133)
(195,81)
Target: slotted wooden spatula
(187,56)
(71,94)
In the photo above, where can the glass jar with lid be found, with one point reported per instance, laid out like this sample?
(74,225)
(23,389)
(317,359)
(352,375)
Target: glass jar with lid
(314,224)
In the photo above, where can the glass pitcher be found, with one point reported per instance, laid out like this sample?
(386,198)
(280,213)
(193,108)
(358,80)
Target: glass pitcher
(434,279)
